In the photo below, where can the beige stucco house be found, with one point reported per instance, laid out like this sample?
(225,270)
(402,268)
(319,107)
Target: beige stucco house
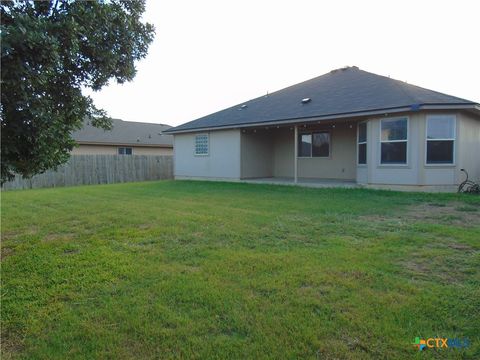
(348,126)
(125,138)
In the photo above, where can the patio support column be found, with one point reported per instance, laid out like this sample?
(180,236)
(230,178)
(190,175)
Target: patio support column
(295,161)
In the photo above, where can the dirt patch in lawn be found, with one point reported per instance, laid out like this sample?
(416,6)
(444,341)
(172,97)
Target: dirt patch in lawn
(54,237)
(10,347)
(454,269)
(5,252)
(453,213)
(463,247)
(13,235)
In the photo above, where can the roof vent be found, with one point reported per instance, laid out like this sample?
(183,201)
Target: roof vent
(344,69)
(243,106)
(306,100)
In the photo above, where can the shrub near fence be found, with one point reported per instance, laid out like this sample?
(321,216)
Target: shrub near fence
(99,169)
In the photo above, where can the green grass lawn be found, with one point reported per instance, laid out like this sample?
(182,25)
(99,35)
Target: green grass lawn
(223,270)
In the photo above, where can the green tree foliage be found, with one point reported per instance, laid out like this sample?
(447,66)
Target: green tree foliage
(49,51)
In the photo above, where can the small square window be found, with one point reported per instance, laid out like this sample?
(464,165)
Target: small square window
(201,144)
(125,151)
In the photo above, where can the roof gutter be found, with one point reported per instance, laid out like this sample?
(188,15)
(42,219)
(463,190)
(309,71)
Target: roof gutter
(328,117)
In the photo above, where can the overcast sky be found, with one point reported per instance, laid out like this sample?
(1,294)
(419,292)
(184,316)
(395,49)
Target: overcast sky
(208,55)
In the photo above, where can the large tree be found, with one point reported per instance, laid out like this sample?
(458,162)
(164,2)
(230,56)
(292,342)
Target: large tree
(50,50)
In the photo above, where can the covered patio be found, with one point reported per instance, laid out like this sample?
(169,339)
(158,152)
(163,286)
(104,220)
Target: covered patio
(315,154)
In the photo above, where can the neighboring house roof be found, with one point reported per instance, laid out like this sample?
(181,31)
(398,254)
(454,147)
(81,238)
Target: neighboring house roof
(343,92)
(125,133)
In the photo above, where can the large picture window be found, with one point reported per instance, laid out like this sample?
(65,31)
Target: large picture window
(362,143)
(440,139)
(393,141)
(201,144)
(315,144)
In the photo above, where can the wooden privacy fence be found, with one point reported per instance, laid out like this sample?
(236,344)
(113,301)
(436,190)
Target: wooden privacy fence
(99,169)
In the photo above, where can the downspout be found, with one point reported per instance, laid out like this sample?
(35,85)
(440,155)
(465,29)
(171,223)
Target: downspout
(295,161)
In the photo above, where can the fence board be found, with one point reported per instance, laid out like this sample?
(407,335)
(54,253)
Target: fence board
(99,169)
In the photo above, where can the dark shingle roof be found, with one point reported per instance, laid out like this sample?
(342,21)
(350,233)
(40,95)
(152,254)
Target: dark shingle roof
(339,92)
(125,133)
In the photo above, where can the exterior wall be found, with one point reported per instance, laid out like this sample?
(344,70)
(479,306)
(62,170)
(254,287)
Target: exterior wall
(395,174)
(257,154)
(362,174)
(417,173)
(437,174)
(468,129)
(144,150)
(85,149)
(236,154)
(284,153)
(222,162)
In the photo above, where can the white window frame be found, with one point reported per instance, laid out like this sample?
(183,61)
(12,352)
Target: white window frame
(452,164)
(363,142)
(125,149)
(311,147)
(195,145)
(406,164)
